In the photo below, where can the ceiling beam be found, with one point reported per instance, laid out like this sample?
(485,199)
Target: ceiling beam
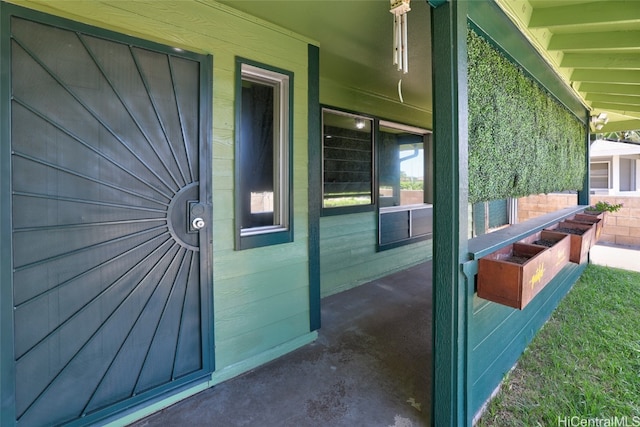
(610,12)
(606,76)
(621,40)
(621,126)
(618,108)
(615,99)
(620,61)
(619,89)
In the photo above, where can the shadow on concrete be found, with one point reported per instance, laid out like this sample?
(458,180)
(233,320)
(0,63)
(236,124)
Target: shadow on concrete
(370,366)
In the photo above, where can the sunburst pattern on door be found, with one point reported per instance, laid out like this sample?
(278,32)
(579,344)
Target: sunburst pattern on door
(108,285)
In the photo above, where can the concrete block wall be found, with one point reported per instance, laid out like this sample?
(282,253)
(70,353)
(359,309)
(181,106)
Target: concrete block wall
(540,204)
(620,228)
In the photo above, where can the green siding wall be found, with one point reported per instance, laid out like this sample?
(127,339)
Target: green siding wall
(348,255)
(348,243)
(261,296)
(497,335)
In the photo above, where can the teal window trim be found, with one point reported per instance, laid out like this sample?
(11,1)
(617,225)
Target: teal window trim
(280,233)
(345,210)
(398,244)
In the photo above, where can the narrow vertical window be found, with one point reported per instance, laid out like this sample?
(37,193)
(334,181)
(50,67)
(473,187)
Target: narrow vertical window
(599,178)
(263,157)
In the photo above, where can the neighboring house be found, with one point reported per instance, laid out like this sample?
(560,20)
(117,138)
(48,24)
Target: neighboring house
(615,167)
(183,181)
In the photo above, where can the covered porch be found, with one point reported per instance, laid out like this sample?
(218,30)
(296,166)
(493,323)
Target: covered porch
(282,325)
(371,365)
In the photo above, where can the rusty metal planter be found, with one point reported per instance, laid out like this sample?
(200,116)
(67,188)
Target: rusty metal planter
(516,284)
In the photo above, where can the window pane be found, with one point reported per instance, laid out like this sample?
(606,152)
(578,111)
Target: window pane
(599,175)
(262,155)
(402,167)
(257,157)
(347,160)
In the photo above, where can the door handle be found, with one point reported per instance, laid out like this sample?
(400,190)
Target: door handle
(197,223)
(196,214)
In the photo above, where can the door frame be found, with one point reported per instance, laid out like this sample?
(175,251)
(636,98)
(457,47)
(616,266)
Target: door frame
(7,362)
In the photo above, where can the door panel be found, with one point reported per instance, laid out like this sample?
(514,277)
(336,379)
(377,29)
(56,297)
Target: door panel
(111,283)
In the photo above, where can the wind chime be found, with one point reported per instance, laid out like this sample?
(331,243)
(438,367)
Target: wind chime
(399,8)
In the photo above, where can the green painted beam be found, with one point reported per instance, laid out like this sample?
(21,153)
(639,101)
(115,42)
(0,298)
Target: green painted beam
(315,184)
(620,61)
(615,99)
(621,40)
(622,108)
(584,193)
(621,126)
(586,13)
(7,363)
(618,89)
(606,76)
(451,174)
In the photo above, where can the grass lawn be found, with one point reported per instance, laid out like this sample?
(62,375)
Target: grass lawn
(584,364)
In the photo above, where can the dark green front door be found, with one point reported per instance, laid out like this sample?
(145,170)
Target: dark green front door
(110,197)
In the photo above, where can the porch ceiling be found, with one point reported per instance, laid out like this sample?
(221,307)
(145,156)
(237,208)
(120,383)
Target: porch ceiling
(595,47)
(356,39)
(593,44)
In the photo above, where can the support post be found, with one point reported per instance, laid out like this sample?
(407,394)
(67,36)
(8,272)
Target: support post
(583,195)
(7,362)
(315,185)
(449,47)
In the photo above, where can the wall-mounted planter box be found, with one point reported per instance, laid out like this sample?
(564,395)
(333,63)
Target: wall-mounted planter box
(590,220)
(599,214)
(581,237)
(559,245)
(513,275)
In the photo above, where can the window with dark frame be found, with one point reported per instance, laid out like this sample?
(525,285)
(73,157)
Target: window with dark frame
(404,185)
(347,158)
(493,215)
(263,157)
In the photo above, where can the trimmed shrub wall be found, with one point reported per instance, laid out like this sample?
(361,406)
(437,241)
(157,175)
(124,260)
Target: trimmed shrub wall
(521,140)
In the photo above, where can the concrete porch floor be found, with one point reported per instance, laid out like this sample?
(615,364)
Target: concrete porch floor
(370,366)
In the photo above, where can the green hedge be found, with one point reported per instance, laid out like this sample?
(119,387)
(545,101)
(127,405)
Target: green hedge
(521,140)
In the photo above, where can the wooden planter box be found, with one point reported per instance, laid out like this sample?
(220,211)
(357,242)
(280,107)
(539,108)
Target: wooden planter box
(502,280)
(598,214)
(557,254)
(590,220)
(580,243)
(601,215)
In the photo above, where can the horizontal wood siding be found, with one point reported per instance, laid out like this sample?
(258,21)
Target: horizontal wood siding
(498,334)
(261,295)
(348,254)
